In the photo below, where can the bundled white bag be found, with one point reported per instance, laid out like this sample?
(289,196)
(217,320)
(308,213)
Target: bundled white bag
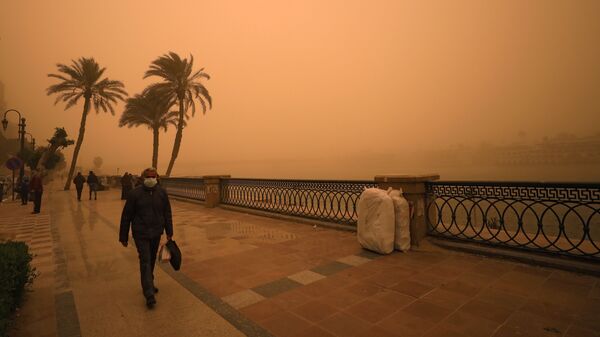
(402,220)
(376,221)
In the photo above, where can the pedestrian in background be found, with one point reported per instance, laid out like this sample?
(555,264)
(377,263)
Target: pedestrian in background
(148,212)
(92,181)
(24,188)
(125,185)
(79,180)
(37,187)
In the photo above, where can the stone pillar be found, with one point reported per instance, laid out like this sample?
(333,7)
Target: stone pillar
(212,188)
(413,187)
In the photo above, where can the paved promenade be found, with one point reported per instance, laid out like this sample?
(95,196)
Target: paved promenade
(256,276)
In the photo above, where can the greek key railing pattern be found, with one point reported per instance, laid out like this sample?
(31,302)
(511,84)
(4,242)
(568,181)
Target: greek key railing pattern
(191,188)
(331,201)
(556,218)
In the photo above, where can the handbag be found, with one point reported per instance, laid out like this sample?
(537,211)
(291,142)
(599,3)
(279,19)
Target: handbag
(164,255)
(175,254)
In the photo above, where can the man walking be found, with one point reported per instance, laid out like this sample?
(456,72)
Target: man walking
(148,212)
(92,181)
(125,185)
(79,180)
(24,190)
(37,187)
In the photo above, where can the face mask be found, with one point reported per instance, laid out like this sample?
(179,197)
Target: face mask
(150,182)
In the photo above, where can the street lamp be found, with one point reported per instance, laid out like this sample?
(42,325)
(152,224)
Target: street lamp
(32,140)
(21,134)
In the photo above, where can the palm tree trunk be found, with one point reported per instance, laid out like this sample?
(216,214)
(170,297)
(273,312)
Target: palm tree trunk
(155,148)
(178,137)
(86,108)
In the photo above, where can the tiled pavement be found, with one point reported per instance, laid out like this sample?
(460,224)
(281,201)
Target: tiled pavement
(18,224)
(296,280)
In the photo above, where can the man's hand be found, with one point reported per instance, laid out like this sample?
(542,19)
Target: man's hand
(124,243)
(169,237)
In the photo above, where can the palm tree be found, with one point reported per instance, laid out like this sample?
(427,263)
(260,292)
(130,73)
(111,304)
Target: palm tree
(83,79)
(181,86)
(151,110)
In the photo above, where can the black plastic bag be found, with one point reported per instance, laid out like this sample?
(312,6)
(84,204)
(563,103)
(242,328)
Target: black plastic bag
(175,254)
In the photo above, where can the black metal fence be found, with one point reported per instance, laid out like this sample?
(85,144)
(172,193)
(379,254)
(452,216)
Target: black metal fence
(191,188)
(331,201)
(557,218)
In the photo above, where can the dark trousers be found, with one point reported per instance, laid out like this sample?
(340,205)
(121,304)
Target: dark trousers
(94,189)
(37,201)
(147,250)
(79,190)
(24,197)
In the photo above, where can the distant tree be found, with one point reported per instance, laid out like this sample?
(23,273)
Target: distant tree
(58,141)
(84,79)
(182,86)
(151,110)
(98,162)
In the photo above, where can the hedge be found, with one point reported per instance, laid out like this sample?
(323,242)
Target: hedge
(15,275)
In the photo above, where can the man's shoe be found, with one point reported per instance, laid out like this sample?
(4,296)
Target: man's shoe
(150,302)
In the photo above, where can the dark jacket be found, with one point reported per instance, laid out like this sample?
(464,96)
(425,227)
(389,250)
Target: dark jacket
(78,181)
(92,179)
(148,212)
(25,186)
(36,184)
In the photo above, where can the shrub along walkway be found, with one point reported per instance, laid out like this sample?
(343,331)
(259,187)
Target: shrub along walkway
(256,276)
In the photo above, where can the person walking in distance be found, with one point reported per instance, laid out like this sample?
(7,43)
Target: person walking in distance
(79,180)
(24,190)
(92,181)
(125,185)
(37,187)
(148,212)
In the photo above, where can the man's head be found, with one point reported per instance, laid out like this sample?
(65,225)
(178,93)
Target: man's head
(150,177)
(150,172)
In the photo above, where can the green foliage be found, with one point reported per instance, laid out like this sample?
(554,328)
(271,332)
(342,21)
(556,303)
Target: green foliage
(59,139)
(15,275)
(83,78)
(30,157)
(149,109)
(55,160)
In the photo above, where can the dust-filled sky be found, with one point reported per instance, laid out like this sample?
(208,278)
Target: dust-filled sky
(315,79)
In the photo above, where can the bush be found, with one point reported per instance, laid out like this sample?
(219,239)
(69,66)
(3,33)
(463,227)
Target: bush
(15,275)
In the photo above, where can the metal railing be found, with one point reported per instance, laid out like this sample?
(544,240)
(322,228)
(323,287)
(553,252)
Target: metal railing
(556,218)
(191,188)
(325,200)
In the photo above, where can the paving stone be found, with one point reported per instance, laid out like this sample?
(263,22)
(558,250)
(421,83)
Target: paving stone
(353,260)
(315,311)
(306,277)
(330,268)
(276,287)
(342,324)
(243,298)
(371,311)
(369,255)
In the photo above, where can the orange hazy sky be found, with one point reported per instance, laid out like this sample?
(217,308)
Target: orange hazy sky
(305,79)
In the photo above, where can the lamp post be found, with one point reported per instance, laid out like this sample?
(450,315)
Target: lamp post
(32,140)
(21,134)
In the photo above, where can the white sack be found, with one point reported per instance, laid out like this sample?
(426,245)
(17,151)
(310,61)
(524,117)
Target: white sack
(376,221)
(402,220)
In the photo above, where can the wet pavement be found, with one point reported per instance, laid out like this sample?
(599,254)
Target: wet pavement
(249,275)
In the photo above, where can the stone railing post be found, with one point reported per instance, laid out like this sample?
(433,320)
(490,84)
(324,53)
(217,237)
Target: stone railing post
(413,187)
(212,188)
